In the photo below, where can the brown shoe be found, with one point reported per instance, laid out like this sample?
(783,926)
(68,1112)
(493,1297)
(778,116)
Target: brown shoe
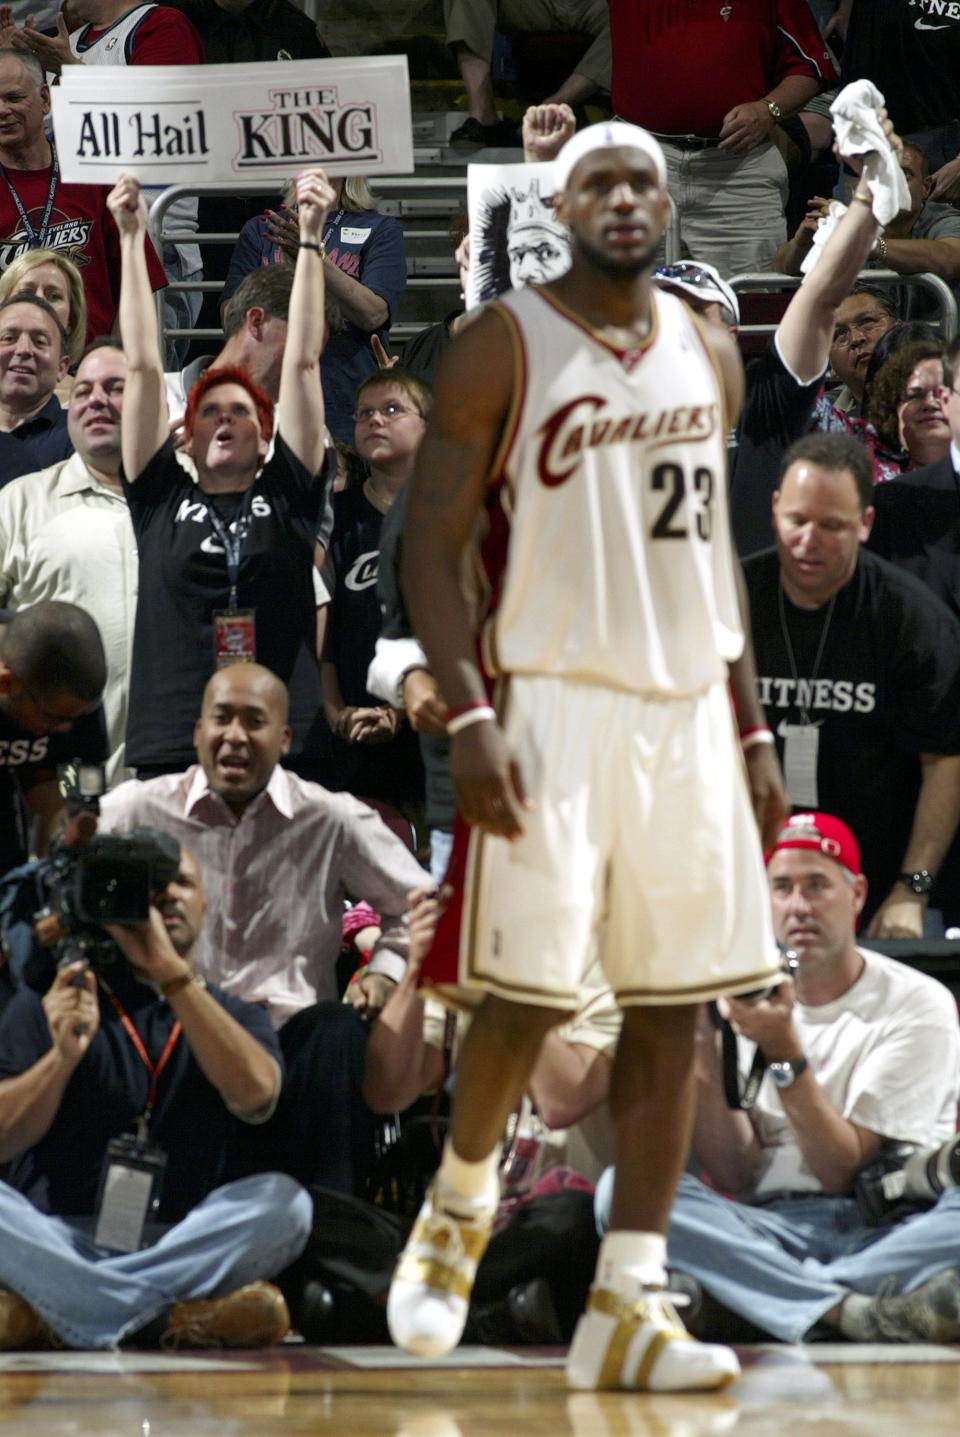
(253,1316)
(20,1326)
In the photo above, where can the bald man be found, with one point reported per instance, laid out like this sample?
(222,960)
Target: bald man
(280,857)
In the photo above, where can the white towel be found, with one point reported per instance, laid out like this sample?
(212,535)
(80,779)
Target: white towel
(859,132)
(825,228)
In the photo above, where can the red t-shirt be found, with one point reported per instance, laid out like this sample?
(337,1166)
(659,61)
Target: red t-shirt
(163,37)
(679,69)
(81,226)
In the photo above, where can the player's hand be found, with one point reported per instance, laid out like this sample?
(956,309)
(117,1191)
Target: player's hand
(900,915)
(72,1011)
(745,127)
(315,200)
(546,129)
(767,1021)
(369,994)
(487,780)
(425,708)
(771,805)
(128,206)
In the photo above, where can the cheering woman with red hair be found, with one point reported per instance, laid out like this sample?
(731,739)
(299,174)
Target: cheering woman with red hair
(226,562)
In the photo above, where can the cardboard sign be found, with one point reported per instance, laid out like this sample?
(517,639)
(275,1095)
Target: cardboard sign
(515,237)
(190,124)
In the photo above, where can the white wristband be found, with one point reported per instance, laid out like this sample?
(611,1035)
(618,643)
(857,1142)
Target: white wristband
(759,735)
(484,714)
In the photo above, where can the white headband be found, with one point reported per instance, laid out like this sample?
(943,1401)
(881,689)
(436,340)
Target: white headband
(607,134)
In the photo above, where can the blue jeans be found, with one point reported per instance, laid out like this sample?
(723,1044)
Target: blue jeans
(783,1265)
(91,1298)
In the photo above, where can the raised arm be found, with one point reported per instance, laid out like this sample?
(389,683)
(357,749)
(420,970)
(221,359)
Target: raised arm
(301,397)
(145,419)
(806,330)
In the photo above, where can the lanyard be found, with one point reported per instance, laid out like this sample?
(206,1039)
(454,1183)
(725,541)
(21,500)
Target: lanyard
(232,542)
(137,1041)
(37,239)
(804,711)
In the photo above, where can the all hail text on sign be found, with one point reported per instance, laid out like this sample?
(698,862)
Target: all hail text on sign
(303,125)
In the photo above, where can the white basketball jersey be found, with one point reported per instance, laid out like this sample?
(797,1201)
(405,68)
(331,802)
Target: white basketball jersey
(608,553)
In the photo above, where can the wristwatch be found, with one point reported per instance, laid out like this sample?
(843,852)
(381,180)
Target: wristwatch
(921,882)
(785,1074)
(774,109)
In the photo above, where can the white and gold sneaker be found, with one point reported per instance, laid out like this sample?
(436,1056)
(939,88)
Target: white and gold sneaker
(642,1346)
(433,1279)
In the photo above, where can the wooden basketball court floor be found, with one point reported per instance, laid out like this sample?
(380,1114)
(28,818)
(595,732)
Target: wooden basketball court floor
(479,1392)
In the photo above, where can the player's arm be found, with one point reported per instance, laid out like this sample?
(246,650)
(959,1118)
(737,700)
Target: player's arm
(771,805)
(472,399)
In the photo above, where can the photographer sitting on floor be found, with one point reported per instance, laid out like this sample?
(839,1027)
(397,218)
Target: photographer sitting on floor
(862,1053)
(119,1089)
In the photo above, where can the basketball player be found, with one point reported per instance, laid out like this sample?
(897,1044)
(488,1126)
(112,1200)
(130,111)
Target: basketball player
(583,425)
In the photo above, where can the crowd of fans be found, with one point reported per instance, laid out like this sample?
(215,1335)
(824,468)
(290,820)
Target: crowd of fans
(199,559)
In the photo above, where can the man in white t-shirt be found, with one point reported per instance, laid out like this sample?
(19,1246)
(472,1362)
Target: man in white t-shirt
(861,1052)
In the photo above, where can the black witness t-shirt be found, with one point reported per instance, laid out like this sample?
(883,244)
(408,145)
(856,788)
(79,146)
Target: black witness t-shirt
(886,690)
(184,581)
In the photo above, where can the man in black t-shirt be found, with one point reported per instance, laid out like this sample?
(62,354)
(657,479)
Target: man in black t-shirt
(858,669)
(143,1047)
(910,49)
(52,673)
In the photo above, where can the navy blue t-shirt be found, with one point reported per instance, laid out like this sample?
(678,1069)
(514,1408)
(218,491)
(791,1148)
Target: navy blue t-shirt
(108,1092)
(366,245)
(35,444)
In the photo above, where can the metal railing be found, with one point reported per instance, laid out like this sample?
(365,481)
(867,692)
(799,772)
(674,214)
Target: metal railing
(395,191)
(885,278)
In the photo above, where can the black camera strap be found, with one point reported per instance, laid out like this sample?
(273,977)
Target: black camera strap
(740,1095)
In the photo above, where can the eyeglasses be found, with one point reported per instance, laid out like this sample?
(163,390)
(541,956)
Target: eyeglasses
(387,412)
(919,395)
(866,325)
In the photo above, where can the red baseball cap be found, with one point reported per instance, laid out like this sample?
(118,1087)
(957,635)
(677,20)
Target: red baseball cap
(824,834)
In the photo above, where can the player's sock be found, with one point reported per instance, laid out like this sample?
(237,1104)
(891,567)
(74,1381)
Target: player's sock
(630,1335)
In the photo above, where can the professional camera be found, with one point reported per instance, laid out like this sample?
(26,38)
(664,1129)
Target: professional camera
(91,879)
(904,1179)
